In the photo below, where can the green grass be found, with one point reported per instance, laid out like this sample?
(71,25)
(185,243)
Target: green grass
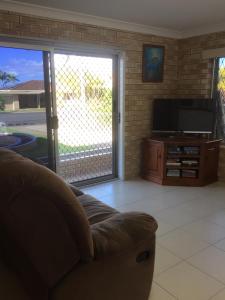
(42,144)
(23,110)
(22,130)
(65,149)
(41,149)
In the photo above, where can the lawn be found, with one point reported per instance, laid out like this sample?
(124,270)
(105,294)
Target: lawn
(41,149)
(23,110)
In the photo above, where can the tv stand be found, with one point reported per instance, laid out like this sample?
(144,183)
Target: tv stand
(180,160)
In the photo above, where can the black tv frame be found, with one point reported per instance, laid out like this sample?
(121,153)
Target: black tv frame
(187,132)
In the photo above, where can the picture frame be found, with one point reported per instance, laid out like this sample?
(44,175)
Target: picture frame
(153,63)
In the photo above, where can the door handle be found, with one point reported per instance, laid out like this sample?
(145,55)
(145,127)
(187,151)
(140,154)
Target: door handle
(54,122)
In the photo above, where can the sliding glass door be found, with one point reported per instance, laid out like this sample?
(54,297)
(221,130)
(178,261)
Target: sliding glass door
(25,104)
(60,110)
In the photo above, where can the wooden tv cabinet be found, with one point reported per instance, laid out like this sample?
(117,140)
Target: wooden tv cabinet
(180,161)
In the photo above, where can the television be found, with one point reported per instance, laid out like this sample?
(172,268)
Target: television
(184,115)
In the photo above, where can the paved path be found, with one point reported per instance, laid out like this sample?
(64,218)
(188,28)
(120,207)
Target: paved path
(23,118)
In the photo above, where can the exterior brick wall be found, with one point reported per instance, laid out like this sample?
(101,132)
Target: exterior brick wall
(138,95)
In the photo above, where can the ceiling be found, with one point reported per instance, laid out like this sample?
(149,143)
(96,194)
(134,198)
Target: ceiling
(183,16)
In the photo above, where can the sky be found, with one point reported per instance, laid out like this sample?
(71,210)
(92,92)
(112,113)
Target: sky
(25,64)
(28,64)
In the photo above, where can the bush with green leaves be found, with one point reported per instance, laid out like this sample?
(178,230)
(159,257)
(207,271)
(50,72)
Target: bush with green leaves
(2,104)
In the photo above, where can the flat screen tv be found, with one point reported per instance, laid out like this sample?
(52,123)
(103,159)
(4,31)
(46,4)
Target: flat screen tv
(184,115)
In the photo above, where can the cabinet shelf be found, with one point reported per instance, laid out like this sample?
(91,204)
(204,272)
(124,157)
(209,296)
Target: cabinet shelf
(157,152)
(182,155)
(182,167)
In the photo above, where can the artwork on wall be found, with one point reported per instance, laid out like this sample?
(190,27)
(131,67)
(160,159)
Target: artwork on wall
(153,63)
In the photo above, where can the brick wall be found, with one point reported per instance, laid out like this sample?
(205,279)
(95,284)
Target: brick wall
(195,73)
(186,73)
(138,95)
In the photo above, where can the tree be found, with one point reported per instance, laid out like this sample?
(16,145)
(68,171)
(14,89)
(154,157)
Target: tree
(68,85)
(6,78)
(97,91)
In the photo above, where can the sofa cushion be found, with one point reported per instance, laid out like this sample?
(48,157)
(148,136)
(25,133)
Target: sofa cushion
(95,210)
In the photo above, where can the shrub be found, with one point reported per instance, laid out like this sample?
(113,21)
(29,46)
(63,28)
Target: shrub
(2,104)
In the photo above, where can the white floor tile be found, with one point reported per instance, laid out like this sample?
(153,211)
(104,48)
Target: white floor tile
(220,245)
(210,261)
(200,208)
(188,283)
(157,293)
(163,228)
(217,217)
(149,206)
(219,296)
(119,200)
(176,216)
(205,231)
(189,218)
(181,243)
(164,259)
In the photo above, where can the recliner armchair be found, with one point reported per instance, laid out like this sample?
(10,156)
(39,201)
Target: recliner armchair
(58,243)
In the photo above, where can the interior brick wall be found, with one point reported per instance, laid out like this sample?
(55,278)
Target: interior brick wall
(195,73)
(138,95)
(186,73)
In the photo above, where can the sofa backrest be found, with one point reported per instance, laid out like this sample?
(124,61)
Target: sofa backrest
(45,230)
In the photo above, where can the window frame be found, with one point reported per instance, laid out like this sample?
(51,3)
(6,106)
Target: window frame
(214,94)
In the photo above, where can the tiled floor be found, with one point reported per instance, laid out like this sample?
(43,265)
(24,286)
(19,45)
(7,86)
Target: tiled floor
(190,249)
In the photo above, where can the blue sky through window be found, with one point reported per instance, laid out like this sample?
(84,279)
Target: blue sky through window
(25,64)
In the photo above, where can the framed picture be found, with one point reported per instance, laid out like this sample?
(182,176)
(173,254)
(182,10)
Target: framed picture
(153,63)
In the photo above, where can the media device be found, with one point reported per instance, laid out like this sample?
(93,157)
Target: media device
(184,115)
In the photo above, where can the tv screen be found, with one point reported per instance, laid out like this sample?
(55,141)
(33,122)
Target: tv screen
(183,115)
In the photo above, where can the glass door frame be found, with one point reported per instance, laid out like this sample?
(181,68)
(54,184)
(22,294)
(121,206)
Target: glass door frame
(49,96)
(118,95)
(86,51)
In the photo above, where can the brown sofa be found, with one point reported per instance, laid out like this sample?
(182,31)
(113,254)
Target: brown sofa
(58,243)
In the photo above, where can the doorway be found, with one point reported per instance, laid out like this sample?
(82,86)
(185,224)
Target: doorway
(86,105)
(61,110)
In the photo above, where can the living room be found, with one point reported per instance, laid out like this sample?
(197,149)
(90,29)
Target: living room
(190,257)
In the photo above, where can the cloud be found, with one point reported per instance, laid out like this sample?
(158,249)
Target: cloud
(24,69)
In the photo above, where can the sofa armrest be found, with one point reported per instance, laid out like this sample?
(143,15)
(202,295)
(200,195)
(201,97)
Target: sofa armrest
(75,190)
(121,232)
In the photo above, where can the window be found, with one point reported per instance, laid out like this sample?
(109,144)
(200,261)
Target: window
(219,96)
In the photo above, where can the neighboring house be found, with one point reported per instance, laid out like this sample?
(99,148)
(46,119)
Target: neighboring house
(29,94)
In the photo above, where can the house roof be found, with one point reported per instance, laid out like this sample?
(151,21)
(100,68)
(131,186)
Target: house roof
(33,87)
(29,85)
